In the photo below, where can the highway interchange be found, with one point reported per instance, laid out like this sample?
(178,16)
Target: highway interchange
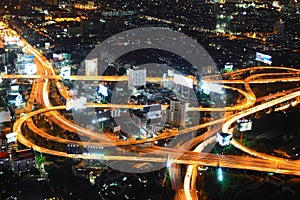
(173,156)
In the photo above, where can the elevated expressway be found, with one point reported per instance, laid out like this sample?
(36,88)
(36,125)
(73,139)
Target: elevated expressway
(264,162)
(260,161)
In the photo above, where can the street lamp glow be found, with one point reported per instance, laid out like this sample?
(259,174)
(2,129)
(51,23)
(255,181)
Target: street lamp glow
(220,174)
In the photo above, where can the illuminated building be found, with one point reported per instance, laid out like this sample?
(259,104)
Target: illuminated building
(136,77)
(176,113)
(25,64)
(150,115)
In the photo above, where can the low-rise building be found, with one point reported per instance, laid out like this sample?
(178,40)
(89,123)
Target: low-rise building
(23,161)
(4,162)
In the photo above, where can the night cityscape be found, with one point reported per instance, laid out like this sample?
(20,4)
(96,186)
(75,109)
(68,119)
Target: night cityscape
(149,100)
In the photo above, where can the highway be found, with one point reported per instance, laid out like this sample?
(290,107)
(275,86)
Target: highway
(251,104)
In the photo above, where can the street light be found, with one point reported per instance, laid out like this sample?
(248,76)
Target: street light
(220,174)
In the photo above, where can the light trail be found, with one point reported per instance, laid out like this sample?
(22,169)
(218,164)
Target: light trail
(255,75)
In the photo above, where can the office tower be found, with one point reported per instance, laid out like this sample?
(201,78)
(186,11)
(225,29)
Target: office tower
(176,113)
(137,77)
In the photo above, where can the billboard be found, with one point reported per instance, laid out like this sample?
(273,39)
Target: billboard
(228,66)
(11,39)
(117,128)
(263,58)
(11,137)
(14,88)
(184,81)
(91,67)
(58,57)
(244,125)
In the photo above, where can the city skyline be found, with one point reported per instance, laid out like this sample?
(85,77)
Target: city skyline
(149,99)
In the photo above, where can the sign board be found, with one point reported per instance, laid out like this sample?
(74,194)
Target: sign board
(263,58)
(244,125)
(11,137)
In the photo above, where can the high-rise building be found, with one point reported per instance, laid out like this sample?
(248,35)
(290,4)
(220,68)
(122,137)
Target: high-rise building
(166,82)
(137,77)
(176,113)
(279,27)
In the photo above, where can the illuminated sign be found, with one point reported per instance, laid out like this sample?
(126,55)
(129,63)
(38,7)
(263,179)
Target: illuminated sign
(57,57)
(11,39)
(117,128)
(25,58)
(263,58)
(228,66)
(244,125)
(11,137)
(14,88)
